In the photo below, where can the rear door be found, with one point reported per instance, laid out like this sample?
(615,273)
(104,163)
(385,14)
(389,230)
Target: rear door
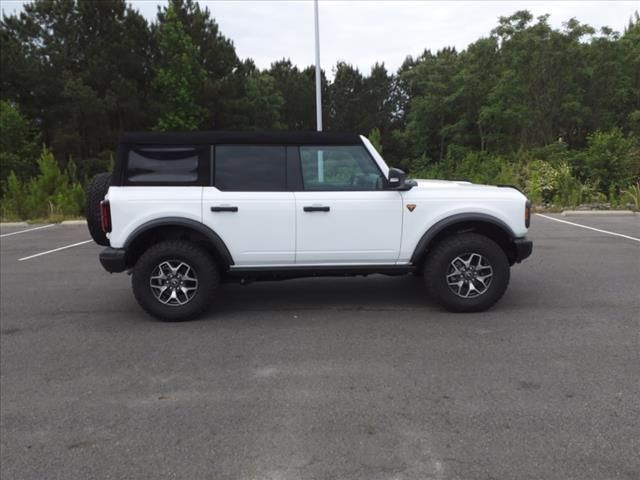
(248,205)
(344,215)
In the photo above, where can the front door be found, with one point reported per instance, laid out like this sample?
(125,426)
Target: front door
(344,215)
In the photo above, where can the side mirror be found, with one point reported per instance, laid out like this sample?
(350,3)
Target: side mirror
(398,180)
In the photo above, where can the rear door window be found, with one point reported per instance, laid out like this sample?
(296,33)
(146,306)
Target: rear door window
(167,165)
(250,168)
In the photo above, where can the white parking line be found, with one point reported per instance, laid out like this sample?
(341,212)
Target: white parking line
(590,228)
(54,250)
(27,230)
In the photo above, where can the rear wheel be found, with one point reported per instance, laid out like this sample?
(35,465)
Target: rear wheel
(467,272)
(175,280)
(97,189)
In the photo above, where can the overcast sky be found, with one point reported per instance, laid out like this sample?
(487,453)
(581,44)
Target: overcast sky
(363,32)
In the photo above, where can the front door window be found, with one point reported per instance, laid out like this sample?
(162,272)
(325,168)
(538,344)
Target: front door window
(339,168)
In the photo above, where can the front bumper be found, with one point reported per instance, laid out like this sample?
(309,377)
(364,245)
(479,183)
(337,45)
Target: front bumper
(113,259)
(522,248)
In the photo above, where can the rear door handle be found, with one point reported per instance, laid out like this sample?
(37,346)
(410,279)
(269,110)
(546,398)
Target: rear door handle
(224,209)
(314,208)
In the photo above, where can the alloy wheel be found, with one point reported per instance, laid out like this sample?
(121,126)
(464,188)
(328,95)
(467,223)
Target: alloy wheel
(174,283)
(469,275)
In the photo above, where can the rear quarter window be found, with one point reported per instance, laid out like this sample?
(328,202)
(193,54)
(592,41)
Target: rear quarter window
(167,165)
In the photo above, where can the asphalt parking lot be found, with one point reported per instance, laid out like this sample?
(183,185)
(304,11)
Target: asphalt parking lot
(359,378)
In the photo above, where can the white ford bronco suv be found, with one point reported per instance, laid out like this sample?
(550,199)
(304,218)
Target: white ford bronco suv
(183,212)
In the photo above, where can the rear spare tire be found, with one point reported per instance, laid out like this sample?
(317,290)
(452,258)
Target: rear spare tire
(97,189)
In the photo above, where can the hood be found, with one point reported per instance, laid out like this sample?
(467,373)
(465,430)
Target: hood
(443,183)
(434,184)
(464,188)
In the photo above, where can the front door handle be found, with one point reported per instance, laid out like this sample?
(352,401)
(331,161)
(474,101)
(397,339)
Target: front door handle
(314,208)
(224,209)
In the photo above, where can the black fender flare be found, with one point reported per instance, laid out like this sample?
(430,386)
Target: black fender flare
(438,227)
(214,239)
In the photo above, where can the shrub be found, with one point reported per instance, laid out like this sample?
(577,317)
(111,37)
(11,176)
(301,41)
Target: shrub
(553,174)
(610,159)
(632,195)
(54,193)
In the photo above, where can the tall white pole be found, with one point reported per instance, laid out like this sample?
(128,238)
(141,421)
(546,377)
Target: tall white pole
(318,77)
(318,95)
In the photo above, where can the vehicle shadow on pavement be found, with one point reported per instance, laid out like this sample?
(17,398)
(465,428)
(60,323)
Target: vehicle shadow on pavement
(376,292)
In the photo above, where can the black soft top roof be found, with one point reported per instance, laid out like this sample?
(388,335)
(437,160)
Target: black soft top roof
(242,138)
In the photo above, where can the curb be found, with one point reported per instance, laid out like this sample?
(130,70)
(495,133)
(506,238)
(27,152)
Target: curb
(14,224)
(74,222)
(25,224)
(622,213)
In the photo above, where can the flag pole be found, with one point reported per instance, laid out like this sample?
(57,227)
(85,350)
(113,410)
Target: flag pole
(318,94)
(318,76)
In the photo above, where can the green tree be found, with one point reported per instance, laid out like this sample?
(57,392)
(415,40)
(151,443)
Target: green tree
(18,143)
(265,100)
(79,70)
(432,117)
(178,76)
(346,98)
(297,89)
(222,83)
(259,102)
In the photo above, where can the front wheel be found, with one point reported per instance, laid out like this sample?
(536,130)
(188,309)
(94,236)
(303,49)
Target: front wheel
(467,272)
(175,280)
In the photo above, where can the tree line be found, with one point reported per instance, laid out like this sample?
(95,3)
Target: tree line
(555,111)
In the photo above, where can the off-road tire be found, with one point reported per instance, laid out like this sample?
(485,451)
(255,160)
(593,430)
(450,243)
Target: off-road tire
(437,265)
(97,189)
(169,251)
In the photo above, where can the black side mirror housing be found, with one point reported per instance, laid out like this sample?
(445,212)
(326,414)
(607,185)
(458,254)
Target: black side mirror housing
(398,180)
